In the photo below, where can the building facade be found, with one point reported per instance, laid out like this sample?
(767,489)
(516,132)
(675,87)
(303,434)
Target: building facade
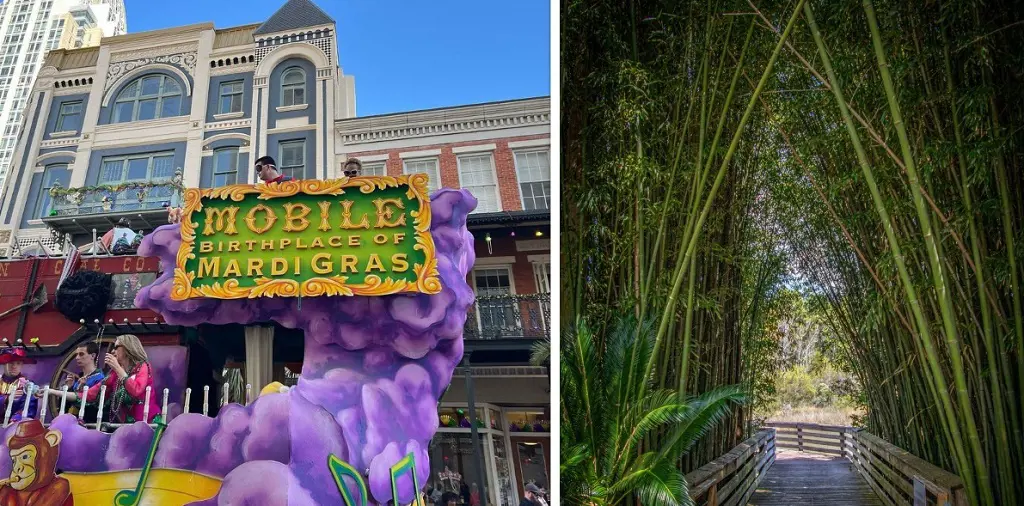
(500,152)
(115,131)
(30,28)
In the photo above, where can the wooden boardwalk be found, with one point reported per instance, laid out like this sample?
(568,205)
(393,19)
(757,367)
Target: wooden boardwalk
(803,478)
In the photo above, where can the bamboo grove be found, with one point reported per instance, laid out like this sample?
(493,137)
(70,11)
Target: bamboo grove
(713,151)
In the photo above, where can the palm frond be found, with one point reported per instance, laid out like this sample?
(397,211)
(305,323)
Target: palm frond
(704,412)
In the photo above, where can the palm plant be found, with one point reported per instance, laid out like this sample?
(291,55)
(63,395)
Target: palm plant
(611,410)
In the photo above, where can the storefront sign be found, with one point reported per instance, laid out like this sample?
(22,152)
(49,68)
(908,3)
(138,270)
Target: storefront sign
(351,236)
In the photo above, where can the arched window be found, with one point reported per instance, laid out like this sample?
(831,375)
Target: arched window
(148,97)
(293,87)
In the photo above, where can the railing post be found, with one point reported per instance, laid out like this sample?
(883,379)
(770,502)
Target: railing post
(800,437)
(713,495)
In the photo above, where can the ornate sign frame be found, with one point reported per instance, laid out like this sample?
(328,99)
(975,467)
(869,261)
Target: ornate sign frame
(427,277)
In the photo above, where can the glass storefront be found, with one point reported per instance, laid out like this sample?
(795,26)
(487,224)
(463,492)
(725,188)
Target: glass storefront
(452,465)
(532,463)
(506,489)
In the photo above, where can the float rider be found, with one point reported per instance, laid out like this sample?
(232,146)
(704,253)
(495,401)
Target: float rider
(266,170)
(13,384)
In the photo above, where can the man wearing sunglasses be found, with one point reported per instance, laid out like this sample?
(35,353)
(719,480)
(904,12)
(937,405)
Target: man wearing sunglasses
(266,170)
(352,168)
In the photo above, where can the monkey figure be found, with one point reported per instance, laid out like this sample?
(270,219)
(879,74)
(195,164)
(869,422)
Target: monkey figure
(33,481)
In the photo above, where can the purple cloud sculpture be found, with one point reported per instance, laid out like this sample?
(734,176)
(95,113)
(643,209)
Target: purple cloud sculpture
(373,372)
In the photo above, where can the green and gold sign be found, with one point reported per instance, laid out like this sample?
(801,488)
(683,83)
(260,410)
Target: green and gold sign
(349,236)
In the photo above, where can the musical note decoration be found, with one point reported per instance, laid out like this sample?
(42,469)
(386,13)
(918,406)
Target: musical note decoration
(132,497)
(341,469)
(407,464)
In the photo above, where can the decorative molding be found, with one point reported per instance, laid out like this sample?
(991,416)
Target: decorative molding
(230,124)
(290,129)
(532,143)
(420,154)
(228,115)
(238,69)
(447,121)
(153,52)
(130,126)
(258,82)
(538,259)
(533,245)
(58,143)
(265,65)
(117,70)
(242,149)
(290,108)
(502,260)
(61,135)
(52,154)
(475,148)
(79,90)
(244,138)
(286,123)
(137,133)
(322,38)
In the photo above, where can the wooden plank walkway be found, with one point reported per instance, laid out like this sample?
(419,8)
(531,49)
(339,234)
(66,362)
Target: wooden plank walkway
(803,478)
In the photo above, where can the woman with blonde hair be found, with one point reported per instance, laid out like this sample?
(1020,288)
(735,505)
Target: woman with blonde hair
(130,374)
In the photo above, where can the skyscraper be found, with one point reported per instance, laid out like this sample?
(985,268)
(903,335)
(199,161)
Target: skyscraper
(30,28)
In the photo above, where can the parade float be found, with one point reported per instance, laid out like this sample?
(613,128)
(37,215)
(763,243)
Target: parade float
(370,269)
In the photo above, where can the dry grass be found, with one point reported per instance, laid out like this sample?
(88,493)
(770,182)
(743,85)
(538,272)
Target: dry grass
(822,416)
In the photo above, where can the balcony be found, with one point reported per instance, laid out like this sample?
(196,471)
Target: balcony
(80,210)
(509,317)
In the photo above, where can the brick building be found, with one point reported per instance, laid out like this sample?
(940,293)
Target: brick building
(501,153)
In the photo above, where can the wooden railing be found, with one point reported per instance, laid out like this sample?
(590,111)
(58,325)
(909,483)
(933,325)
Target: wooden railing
(900,478)
(810,437)
(731,479)
(897,477)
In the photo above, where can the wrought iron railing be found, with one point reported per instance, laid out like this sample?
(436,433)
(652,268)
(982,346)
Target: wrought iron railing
(117,198)
(509,317)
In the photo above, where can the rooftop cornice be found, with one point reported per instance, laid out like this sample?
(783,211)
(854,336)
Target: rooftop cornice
(61,59)
(227,39)
(287,33)
(448,120)
(128,38)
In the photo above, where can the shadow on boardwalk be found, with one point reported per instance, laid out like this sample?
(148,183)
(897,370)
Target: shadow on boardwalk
(799,478)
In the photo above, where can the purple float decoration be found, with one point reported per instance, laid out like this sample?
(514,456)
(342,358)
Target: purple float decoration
(373,372)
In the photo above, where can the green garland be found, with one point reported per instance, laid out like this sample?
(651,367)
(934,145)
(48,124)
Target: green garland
(58,191)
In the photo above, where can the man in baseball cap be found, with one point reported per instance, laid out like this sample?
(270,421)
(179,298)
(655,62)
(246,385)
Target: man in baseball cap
(530,495)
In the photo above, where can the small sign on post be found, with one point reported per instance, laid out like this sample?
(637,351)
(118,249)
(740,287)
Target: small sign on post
(349,236)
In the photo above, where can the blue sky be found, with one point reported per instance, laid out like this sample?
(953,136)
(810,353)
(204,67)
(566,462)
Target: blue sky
(406,55)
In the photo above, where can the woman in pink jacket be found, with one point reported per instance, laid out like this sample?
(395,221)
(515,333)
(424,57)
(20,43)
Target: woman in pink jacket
(130,374)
